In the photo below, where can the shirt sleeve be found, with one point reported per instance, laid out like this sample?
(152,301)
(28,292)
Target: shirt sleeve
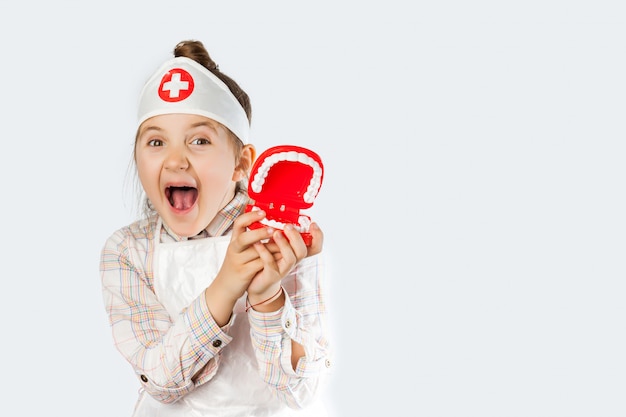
(171,356)
(303,320)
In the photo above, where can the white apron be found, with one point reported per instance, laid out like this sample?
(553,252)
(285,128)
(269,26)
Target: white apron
(182,270)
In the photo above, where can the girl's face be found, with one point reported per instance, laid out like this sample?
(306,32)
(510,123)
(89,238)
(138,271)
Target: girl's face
(186,165)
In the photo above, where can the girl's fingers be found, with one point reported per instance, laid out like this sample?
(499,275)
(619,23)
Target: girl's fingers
(242,237)
(296,242)
(245,220)
(317,240)
(289,257)
(263,252)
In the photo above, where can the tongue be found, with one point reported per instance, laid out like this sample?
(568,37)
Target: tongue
(183,198)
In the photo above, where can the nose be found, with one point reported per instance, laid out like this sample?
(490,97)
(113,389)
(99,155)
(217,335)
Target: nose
(176,160)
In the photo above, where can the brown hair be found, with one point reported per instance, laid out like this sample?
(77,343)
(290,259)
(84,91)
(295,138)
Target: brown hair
(195,50)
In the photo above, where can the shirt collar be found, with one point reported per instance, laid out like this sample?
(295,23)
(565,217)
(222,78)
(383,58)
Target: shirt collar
(222,223)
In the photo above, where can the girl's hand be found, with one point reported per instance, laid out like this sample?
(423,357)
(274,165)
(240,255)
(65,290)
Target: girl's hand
(242,261)
(317,240)
(279,257)
(241,264)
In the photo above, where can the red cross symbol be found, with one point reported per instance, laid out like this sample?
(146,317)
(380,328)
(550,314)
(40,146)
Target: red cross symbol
(176,85)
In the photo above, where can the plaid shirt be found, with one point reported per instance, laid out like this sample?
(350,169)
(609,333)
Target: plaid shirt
(173,356)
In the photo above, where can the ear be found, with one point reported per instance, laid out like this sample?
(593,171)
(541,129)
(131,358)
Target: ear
(248,156)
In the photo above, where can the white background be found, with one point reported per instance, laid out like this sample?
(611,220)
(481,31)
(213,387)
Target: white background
(473,203)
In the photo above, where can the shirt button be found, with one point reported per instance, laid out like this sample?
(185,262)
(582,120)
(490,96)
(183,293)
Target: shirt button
(217,343)
(144,378)
(287,323)
(327,363)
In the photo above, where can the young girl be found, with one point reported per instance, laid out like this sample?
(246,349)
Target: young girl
(216,319)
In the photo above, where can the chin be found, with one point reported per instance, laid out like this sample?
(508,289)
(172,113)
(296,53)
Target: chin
(185,227)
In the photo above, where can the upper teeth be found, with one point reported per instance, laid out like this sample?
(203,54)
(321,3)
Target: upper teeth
(292,156)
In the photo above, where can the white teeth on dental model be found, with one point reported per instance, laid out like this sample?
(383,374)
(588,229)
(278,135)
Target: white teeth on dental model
(291,156)
(302,227)
(305,222)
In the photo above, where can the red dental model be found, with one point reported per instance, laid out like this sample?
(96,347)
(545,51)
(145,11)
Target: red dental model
(284,180)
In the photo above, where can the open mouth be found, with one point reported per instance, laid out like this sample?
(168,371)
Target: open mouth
(181,198)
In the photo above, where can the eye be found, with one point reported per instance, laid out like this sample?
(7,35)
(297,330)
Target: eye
(155,142)
(200,141)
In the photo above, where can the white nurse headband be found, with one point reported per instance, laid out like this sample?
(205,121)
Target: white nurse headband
(181,85)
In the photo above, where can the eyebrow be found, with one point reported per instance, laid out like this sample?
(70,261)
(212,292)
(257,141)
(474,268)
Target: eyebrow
(204,124)
(209,124)
(147,128)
